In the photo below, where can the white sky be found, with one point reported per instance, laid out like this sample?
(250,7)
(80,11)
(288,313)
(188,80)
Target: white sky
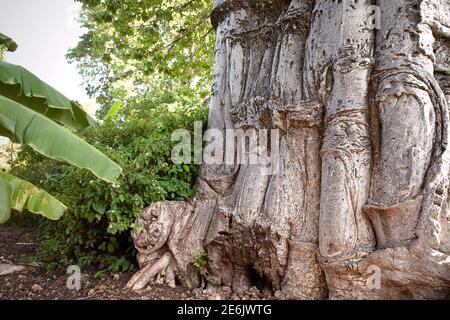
(44,31)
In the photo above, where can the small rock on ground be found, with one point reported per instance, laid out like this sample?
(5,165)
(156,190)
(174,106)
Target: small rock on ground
(9,268)
(36,288)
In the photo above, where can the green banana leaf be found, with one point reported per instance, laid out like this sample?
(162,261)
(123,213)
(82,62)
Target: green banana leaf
(22,195)
(26,126)
(5,200)
(9,43)
(20,85)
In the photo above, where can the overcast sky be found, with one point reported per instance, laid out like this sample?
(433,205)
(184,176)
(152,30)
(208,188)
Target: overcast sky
(44,31)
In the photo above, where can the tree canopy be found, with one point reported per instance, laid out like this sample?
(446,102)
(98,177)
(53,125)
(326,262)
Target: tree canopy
(132,46)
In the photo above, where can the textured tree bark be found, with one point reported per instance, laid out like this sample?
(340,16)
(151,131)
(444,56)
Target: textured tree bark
(358,208)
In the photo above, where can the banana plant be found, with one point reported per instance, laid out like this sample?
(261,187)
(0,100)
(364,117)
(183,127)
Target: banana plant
(20,85)
(35,114)
(21,195)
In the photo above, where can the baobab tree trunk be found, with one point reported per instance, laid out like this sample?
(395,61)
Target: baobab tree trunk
(356,205)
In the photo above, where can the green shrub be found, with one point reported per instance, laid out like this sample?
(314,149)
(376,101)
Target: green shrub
(200,260)
(95,229)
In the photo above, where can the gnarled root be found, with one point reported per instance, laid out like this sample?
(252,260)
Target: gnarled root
(148,273)
(170,234)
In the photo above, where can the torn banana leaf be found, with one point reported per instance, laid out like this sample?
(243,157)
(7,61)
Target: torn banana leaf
(20,85)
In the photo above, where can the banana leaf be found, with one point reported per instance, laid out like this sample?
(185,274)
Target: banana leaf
(9,43)
(20,85)
(5,200)
(22,195)
(25,126)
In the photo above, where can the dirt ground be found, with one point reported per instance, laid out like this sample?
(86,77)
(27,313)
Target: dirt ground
(35,283)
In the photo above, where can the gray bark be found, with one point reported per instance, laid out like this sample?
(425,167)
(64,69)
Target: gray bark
(363,173)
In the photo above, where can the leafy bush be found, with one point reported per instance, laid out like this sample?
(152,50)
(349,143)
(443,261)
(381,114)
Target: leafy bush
(95,229)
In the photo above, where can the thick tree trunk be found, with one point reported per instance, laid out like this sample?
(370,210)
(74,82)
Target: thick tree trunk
(358,207)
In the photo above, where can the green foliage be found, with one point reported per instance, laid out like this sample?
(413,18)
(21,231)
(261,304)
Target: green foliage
(5,194)
(7,154)
(3,49)
(28,107)
(8,43)
(26,126)
(95,229)
(200,260)
(21,195)
(22,86)
(133,46)
(149,64)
